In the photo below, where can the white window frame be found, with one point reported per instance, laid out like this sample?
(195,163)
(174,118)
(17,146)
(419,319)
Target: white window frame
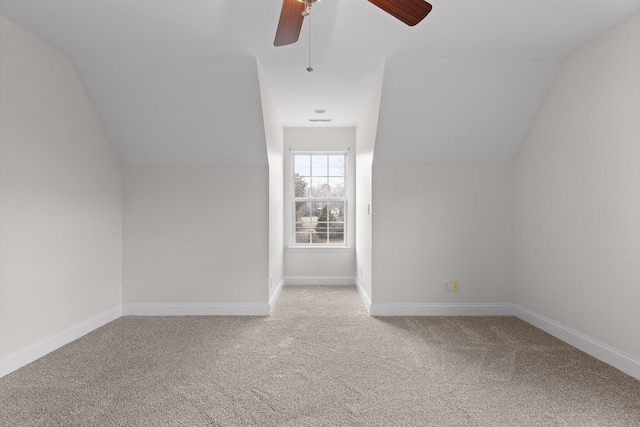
(318,246)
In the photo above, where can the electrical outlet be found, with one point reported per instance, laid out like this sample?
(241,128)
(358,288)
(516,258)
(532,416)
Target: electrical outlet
(455,286)
(446,286)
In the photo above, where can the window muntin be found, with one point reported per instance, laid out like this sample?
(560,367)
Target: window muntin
(319,199)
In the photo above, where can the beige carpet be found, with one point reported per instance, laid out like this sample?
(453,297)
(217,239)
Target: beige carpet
(319,360)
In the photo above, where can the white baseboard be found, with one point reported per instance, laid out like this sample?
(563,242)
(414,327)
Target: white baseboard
(46,346)
(601,351)
(363,296)
(196,309)
(319,280)
(592,347)
(276,294)
(625,363)
(443,309)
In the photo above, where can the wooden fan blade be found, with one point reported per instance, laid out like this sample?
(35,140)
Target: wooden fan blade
(408,11)
(290,22)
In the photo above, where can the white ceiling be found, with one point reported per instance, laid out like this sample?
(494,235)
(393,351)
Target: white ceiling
(168,77)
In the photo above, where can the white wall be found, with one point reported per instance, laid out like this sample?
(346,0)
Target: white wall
(577,206)
(432,224)
(196,235)
(60,198)
(325,263)
(473,111)
(184,97)
(274,134)
(365,144)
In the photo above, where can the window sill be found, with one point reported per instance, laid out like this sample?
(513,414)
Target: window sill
(327,248)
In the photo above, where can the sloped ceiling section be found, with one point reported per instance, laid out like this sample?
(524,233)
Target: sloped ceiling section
(175,82)
(457,111)
(189,111)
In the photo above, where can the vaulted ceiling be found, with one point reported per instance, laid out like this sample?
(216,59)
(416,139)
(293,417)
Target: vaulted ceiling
(176,82)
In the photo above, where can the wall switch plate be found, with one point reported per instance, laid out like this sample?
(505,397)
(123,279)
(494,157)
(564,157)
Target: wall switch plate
(446,286)
(455,286)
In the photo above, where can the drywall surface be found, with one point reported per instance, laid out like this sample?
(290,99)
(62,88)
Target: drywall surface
(274,134)
(577,204)
(169,113)
(305,263)
(432,224)
(473,111)
(60,197)
(196,234)
(365,144)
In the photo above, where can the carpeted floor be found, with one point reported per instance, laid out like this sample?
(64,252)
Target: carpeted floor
(319,360)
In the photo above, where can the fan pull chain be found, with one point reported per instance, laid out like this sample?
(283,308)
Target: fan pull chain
(309,69)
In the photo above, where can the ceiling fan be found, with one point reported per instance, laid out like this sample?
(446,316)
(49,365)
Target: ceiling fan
(293,12)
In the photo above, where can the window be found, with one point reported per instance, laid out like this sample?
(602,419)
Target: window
(320,201)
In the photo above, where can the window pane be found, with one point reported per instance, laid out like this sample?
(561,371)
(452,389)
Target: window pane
(320,187)
(336,232)
(302,164)
(337,187)
(304,237)
(304,222)
(336,237)
(319,164)
(336,165)
(316,209)
(302,186)
(336,211)
(303,214)
(336,224)
(322,223)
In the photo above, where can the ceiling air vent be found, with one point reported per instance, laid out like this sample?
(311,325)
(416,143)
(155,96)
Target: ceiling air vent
(320,120)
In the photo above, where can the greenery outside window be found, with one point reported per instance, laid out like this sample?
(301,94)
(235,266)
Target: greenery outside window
(319,199)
